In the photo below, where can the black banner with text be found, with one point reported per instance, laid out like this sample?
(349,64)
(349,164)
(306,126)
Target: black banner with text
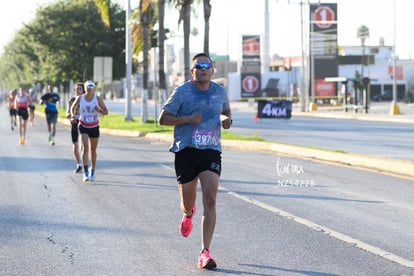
(274,109)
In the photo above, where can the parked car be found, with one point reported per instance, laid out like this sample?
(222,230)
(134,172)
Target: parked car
(386,96)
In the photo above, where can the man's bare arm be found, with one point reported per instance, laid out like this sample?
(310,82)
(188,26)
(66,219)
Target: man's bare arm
(169,119)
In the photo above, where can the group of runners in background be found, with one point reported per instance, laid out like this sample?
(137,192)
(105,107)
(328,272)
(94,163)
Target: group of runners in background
(21,104)
(83,110)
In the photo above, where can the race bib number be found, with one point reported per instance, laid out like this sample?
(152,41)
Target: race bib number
(90,118)
(204,137)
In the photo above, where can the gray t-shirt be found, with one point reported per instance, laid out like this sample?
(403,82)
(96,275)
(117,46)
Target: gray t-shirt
(187,99)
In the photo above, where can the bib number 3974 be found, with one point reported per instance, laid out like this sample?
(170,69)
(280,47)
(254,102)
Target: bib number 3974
(204,137)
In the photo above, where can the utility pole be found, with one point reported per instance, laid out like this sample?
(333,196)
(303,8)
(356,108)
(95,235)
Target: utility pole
(266,51)
(304,97)
(303,84)
(394,110)
(128,63)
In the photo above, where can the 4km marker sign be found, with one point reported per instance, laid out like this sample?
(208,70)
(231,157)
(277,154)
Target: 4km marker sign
(274,109)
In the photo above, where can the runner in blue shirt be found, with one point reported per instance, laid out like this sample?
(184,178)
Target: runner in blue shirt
(50,99)
(198,109)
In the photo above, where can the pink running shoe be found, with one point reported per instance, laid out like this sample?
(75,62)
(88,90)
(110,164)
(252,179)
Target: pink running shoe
(205,261)
(186,224)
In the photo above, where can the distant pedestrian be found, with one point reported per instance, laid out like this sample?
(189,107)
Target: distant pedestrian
(11,104)
(50,99)
(33,100)
(22,102)
(78,89)
(90,106)
(198,109)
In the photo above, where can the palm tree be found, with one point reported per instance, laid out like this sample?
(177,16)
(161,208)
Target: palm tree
(184,7)
(185,15)
(103,9)
(207,13)
(146,12)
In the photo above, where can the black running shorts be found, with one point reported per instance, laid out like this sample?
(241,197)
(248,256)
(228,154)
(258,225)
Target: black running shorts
(92,132)
(51,117)
(13,112)
(22,112)
(190,162)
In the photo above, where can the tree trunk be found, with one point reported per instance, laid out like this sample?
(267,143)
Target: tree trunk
(207,14)
(161,70)
(186,27)
(145,20)
(144,96)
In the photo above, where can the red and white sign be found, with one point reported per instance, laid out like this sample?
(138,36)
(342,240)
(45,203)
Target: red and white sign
(250,84)
(324,89)
(399,73)
(324,17)
(251,47)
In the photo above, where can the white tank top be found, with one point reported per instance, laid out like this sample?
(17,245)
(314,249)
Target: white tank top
(88,112)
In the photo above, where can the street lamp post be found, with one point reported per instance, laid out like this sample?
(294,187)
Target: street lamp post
(363,34)
(394,109)
(303,85)
(266,55)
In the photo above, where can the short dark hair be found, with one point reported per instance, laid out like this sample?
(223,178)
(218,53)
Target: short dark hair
(79,84)
(202,55)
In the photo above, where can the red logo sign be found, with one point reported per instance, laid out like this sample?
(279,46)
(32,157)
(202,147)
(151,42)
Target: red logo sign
(324,89)
(251,47)
(250,84)
(324,17)
(398,72)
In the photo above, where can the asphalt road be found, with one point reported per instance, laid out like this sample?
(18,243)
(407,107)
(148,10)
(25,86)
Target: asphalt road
(384,139)
(277,215)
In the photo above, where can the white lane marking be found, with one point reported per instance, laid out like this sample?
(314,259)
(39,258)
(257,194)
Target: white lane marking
(317,227)
(327,231)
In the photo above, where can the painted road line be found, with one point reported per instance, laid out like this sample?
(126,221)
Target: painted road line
(325,230)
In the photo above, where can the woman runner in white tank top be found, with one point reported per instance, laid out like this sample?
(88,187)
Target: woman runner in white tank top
(90,106)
